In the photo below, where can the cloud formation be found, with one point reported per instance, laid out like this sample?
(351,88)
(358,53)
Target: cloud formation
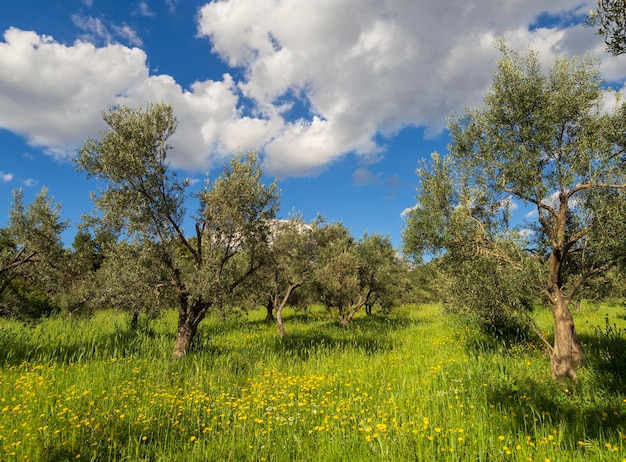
(52,94)
(319,79)
(5,177)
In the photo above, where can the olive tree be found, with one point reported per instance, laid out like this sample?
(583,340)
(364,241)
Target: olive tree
(542,139)
(32,257)
(350,275)
(385,276)
(610,19)
(479,268)
(290,260)
(144,197)
(131,277)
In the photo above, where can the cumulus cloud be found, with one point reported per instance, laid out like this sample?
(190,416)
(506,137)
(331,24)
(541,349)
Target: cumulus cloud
(52,94)
(58,111)
(366,68)
(318,80)
(405,213)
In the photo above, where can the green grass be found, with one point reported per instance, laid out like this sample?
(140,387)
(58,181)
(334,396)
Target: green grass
(411,386)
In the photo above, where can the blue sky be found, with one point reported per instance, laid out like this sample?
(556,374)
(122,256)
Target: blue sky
(341,98)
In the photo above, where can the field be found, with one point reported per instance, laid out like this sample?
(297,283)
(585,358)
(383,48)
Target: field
(413,385)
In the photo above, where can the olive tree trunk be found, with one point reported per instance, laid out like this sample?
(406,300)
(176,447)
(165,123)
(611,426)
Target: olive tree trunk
(567,353)
(184,336)
(283,303)
(189,317)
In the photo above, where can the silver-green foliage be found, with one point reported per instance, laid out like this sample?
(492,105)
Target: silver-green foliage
(145,200)
(542,139)
(610,19)
(350,275)
(480,269)
(32,257)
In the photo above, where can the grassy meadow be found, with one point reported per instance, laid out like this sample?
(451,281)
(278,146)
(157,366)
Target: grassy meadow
(411,386)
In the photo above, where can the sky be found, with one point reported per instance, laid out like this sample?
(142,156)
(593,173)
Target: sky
(340,98)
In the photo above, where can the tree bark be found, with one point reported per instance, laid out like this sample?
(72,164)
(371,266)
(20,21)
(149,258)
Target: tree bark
(188,319)
(567,353)
(279,321)
(354,309)
(348,319)
(283,303)
(184,336)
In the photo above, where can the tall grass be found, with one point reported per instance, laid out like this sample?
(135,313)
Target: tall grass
(410,386)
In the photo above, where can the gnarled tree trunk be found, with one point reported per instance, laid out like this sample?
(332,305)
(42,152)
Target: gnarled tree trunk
(567,353)
(189,317)
(184,336)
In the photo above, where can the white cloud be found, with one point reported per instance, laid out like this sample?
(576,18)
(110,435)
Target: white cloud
(6,177)
(128,35)
(93,28)
(210,124)
(367,68)
(408,210)
(52,94)
(361,68)
(58,112)
(30,182)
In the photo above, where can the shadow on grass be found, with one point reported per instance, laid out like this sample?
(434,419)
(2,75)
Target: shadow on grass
(305,345)
(371,334)
(576,413)
(590,407)
(306,335)
(65,349)
(605,351)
